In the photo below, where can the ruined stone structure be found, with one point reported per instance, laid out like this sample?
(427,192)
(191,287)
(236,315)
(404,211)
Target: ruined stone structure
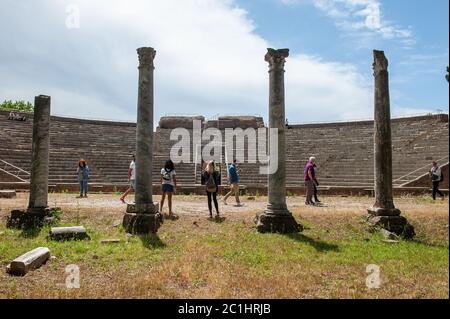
(277,217)
(40,153)
(383,213)
(37,206)
(143,216)
(172,122)
(344,153)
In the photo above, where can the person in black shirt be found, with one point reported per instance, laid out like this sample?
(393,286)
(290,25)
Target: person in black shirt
(211,180)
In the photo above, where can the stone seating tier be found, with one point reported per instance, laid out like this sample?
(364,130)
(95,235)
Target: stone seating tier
(344,151)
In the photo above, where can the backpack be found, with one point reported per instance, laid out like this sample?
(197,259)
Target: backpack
(166,175)
(211,184)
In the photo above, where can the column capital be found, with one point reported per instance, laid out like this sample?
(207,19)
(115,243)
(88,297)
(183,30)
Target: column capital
(276,58)
(380,63)
(146,57)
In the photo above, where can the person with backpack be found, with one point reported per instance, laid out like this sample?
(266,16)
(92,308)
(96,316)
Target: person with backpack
(436,177)
(83,176)
(168,181)
(211,180)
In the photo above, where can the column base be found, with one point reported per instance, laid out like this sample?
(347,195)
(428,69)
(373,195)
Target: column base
(398,225)
(31,217)
(277,223)
(142,219)
(378,211)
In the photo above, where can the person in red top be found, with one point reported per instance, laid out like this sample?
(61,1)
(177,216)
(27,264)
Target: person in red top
(309,180)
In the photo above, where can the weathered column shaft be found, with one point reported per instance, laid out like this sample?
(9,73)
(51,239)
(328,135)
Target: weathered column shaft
(40,153)
(143,217)
(383,214)
(277,218)
(382,135)
(277,180)
(144,138)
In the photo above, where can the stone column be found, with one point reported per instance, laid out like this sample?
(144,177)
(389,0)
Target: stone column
(37,211)
(277,217)
(40,153)
(143,217)
(383,213)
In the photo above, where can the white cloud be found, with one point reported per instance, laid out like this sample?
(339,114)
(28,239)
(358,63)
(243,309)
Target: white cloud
(209,60)
(361,16)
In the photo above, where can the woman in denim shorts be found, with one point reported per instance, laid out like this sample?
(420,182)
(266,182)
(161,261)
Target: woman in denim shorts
(168,184)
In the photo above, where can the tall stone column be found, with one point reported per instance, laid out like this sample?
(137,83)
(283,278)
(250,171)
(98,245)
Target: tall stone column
(37,211)
(143,217)
(277,217)
(40,153)
(383,213)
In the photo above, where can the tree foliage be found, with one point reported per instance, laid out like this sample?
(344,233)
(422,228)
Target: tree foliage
(21,106)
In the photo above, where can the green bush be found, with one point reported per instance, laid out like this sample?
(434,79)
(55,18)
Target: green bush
(21,106)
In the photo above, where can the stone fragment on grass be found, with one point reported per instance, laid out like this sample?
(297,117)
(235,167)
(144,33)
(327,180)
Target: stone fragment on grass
(28,261)
(388,235)
(69,233)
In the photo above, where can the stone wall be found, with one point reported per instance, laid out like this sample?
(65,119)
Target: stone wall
(171,122)
(243,122)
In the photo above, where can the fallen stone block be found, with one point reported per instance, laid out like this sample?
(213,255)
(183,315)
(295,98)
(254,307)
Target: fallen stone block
(31,217)
(29,261)
(398,225)
(69,233)
(49,220)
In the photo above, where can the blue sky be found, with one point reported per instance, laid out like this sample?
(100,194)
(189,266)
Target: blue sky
(210,55)
(417,69)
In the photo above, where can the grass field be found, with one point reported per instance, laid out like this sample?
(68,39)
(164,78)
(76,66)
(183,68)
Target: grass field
(197,258)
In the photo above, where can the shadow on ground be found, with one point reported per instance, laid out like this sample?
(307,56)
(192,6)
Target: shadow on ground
(319,245)
(152,242)
(30,232)
(217,219)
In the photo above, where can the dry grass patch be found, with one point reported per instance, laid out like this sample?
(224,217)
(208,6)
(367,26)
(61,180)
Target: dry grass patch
(197,258)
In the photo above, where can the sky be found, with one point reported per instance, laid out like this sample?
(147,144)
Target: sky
(210,55)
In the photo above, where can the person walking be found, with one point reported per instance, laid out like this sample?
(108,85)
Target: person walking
(131,179)
(233,181)
(211,180)
(436,177)
(308,174)
(83,177)
(316,183)
(168,181)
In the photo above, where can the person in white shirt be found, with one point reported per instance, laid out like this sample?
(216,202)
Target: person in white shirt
(131,179)
(436,178)
(168,181)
